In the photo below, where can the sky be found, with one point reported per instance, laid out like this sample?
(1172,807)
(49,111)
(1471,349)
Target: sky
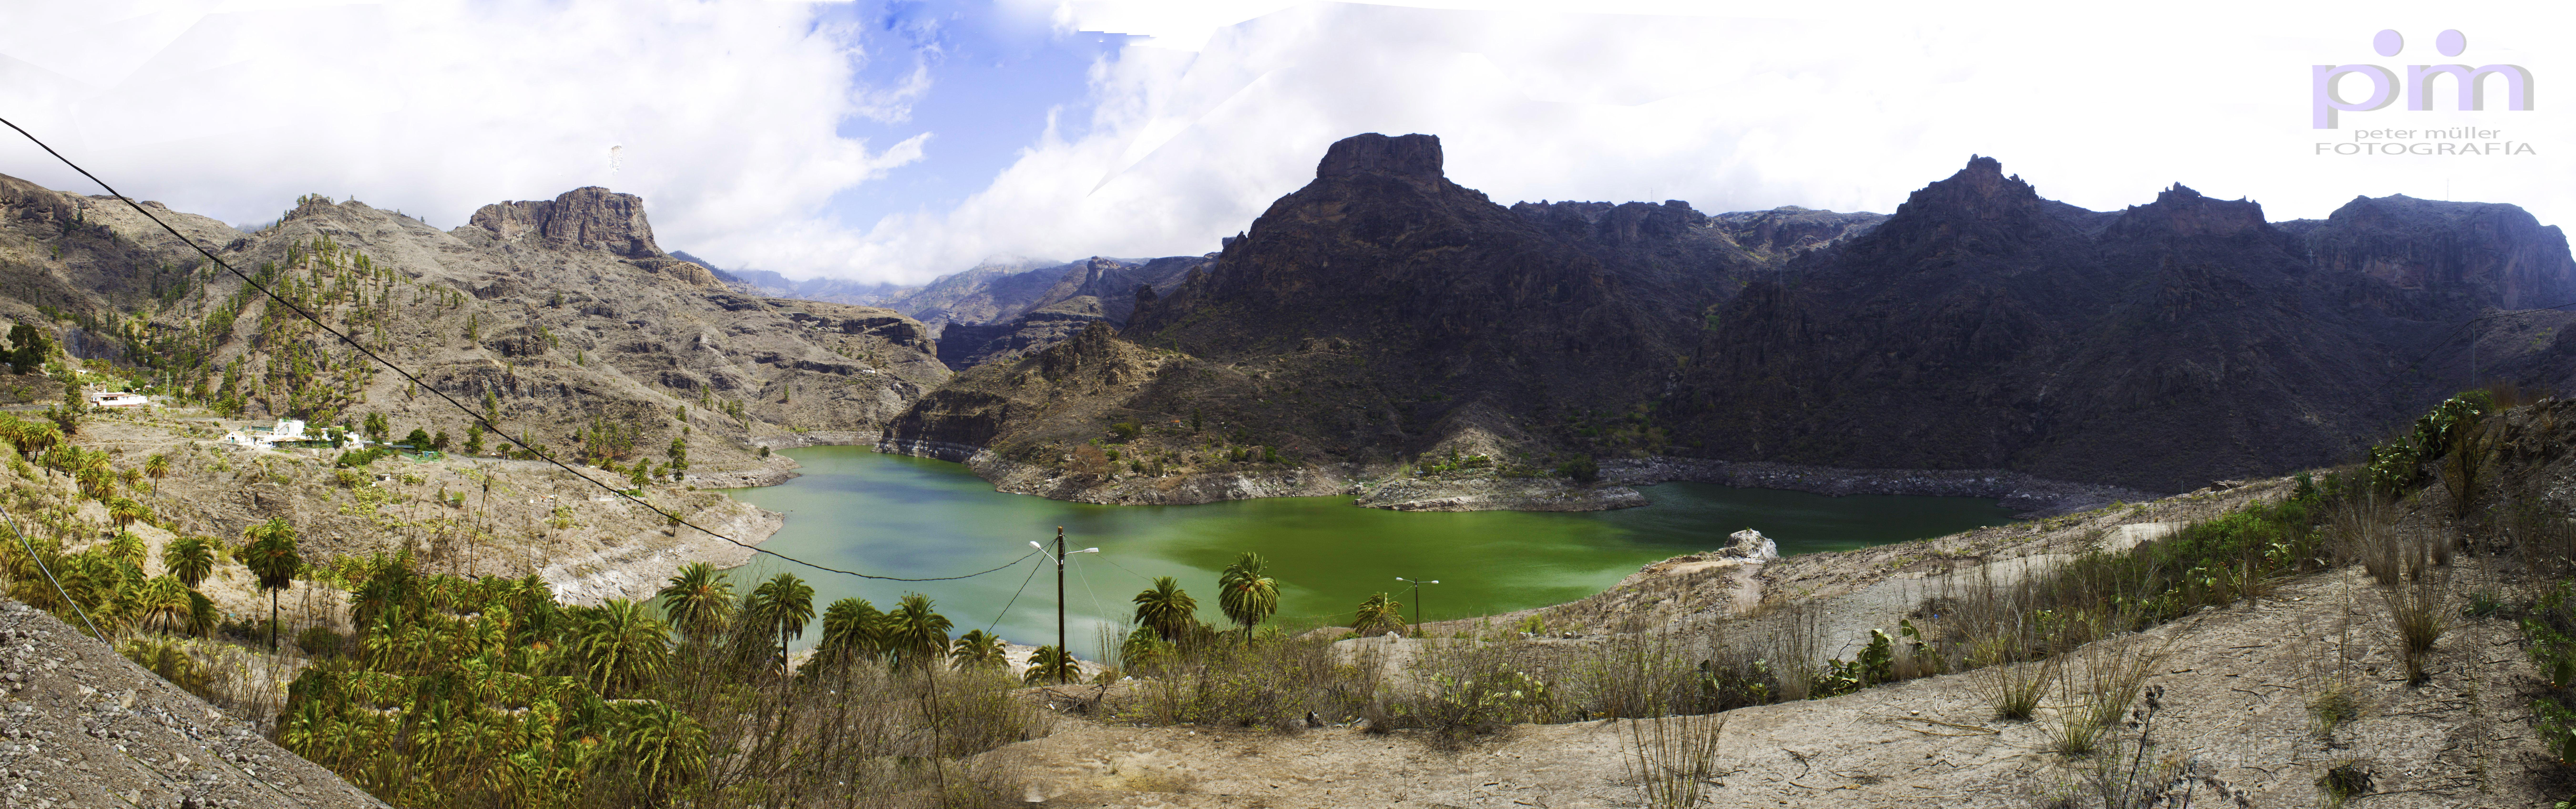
(897,141)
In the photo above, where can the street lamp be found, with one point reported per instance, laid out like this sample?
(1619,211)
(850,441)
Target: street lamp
(1417,600)
(1058,556)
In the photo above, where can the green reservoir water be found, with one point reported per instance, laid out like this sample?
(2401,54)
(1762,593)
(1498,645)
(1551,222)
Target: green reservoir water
(901,516)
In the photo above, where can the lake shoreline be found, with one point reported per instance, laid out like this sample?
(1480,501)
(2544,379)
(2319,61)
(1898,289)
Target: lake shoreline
(901,515)
(2033,496)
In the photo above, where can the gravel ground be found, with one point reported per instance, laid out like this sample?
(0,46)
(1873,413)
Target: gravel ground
(82,726)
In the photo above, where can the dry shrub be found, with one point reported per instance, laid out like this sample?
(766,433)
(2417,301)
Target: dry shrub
(1466,689)
(2542,542)
(1260,682)
(1640,676)
(1674,758)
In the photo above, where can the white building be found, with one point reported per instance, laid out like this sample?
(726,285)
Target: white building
(118,399)
(267,437)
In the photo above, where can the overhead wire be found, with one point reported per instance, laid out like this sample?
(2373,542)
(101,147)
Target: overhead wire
(1015,598)
(32,556)
(478,418)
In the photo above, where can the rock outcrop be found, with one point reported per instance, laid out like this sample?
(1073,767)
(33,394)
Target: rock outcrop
(587,218)
(1750,544)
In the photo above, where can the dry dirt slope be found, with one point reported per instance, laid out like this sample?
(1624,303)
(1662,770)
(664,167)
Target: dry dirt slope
(2237,681)
(82,726)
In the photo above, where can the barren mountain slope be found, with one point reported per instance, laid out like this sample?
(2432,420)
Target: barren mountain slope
(545,314)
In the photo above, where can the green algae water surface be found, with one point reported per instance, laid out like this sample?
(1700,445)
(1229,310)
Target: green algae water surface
(893,515)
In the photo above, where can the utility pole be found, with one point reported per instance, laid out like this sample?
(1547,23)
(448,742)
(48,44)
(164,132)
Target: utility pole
(1061,675)
(1417,600)
(1059,606)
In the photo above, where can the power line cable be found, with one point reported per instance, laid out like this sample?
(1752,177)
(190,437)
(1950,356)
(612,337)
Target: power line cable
(32,556)
(495,429)
(1015,598)
(1115,564)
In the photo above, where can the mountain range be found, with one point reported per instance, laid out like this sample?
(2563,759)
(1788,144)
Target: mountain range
(1383,316)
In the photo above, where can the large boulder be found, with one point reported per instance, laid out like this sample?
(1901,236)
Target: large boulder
(1750,544)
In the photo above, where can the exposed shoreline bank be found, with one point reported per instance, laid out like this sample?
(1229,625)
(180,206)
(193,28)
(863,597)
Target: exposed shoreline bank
(2032,495)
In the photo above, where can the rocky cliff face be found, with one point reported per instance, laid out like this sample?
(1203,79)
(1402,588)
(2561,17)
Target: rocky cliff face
(2159,347)
(588,218)
(1375,313)
(1382,312)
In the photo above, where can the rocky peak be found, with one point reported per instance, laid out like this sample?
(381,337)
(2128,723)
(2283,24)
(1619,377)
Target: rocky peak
(2179,212)
(1404,155)
(1980,190)
(589,218)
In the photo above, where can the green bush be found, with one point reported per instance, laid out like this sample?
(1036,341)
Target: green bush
(318,641)
(1582,469)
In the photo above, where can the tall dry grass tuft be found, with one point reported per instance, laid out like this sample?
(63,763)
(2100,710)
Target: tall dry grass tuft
(2418,614)
(1637,676)
(2007,678)
(2363,531)
(1674,758)
(1796,645)
(2329,677)
(2099,686)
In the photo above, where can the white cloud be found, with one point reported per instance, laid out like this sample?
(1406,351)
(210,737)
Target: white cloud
(726,111)
(1728,106)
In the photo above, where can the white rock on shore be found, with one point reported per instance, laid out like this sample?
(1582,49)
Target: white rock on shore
(1750,544)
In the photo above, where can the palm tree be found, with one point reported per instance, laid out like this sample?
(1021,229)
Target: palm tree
(698,598)
(126,512)
(668,747)
(131,477)
(976,650)
(270,554)
(852,628)
(1377,615)
(191,559)
(96,482)
(1166,610)
(622,644)
(157,466)
(34,438)
(784,603)
(162,602)
(1247,596)
(1051,664)
(128,548)
(201,613)
(915,634)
